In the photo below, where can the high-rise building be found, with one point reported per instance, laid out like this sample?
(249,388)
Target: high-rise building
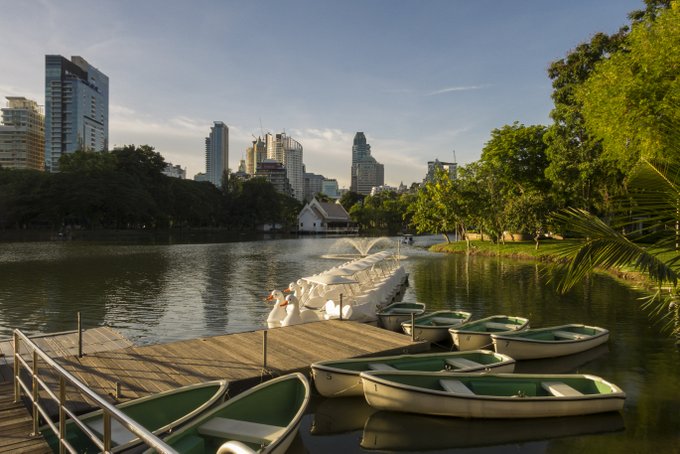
(76,108)
(22,135)
(254,155)
(450,167)
(276,174)
(366,171)
(313,185)
(329,186)
(288,152)
(217,153)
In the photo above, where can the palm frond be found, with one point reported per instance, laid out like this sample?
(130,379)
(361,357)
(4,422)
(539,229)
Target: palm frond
(605,247)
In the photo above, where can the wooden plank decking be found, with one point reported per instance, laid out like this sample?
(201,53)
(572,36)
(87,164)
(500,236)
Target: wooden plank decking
(15,420)
(236,357)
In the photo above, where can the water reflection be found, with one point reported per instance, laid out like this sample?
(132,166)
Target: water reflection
(391,431)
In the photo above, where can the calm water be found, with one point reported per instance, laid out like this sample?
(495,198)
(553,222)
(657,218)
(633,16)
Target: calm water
(162,293)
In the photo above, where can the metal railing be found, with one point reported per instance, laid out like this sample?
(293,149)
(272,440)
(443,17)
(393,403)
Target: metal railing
(37,386)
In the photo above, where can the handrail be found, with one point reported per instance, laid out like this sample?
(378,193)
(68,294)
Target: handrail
(109,411)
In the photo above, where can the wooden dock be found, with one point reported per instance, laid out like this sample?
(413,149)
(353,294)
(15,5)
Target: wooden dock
(144,370)
(15,420)
(239,358)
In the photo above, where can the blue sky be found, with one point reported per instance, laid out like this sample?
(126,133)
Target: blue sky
(420,78)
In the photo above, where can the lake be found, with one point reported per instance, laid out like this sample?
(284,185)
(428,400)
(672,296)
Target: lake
(164,292)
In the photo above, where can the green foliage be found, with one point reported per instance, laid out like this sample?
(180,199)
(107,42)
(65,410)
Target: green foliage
(644,236)
(126,189)
(382,212)
(631,101)
(579,176)
(433,210)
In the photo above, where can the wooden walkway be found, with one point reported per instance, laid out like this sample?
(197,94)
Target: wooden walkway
(15,419)
(236,357)
(144,370)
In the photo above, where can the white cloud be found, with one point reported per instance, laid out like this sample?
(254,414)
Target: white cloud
(458,88)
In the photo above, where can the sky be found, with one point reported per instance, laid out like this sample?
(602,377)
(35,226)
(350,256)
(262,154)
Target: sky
(423,79)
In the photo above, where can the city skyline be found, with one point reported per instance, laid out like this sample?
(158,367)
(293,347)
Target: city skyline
(420,79)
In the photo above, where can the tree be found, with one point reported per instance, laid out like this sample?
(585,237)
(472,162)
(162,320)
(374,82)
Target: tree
(433,210)
(579,176)
(512,165)
(631,99)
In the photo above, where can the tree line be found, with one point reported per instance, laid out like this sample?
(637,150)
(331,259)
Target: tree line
(126,189)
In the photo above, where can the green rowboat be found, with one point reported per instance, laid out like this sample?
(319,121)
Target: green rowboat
(549,342)
(391,316)
(340,378)
(477,334)
(158,413)
(264,419)
(491,395)
(434,327)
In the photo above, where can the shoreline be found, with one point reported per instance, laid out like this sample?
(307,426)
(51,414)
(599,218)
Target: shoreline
(548,253)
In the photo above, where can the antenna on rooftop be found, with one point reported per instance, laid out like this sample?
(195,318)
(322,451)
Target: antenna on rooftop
(454,155)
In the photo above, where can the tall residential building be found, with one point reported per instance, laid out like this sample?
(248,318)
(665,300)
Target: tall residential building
(22,135)
(276,174)
(450,167)
(254,155)
(366,171)
(217,153)
(76,108)
(288,152)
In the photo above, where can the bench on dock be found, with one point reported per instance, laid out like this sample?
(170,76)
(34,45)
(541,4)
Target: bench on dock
(455,386)
(559,389)
(568,335)
(462,363)
(237,429)
(380,366)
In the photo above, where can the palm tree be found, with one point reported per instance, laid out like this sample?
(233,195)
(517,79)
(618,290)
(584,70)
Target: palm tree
(643,234)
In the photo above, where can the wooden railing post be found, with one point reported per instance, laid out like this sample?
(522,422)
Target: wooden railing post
(17,388)
(341,306)
(264,349)
(62,414)
(34,392)
(80,337)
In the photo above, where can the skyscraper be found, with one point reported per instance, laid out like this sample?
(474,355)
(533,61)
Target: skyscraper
(288,152)
(22,135)
(366,171)
(254,155)
(76,108)
(217,153)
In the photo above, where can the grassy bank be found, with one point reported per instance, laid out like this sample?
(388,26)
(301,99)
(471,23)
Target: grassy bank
(548,250)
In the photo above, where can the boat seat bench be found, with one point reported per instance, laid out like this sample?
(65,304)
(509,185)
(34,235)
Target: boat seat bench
(567,335)
(559,389)
(446,321)
(462,363)
(380,366)
(455,386)
(236,429)
(501,326)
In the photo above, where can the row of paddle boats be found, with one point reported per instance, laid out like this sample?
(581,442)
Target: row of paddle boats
(505,334)
(354,290)
(474,382)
